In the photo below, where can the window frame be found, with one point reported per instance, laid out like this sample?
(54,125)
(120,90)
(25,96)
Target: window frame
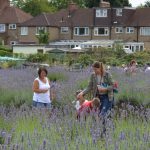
(119,29)
(119,12)
(64,30)
(101,13)
(40,28)
(129,29)
(24,31)
(96,31)
(145,31)
(2,28)
(12,26)
(77,31)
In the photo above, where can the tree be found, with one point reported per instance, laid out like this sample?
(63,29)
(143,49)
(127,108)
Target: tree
(18,3)
(34,7)
(147,4)
(119,3)
(43,37)
(113,3)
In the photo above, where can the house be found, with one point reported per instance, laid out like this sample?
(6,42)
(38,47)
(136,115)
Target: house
(10,17)
(85,24)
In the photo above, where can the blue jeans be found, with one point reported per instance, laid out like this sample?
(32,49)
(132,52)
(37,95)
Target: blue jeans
(41,105)
(106,105)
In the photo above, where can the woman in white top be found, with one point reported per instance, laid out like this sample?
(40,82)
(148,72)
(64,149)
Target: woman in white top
(41,89)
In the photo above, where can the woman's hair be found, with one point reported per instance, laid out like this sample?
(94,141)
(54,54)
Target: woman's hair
(42,69)
(100,65)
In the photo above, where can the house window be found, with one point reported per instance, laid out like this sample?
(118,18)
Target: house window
(119,29)
(145,31)
(81,31)
(64,29)
(101,13)
(24,30)
(39,29)
(129,30)
(2,28)
(12,26)
(118,12)
(141,48)
(101,31)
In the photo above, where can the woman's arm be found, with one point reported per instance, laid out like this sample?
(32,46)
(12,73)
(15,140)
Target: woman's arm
(88,89)
(36,89)
(110,82)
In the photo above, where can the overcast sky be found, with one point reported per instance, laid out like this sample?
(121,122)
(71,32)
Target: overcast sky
(136,3)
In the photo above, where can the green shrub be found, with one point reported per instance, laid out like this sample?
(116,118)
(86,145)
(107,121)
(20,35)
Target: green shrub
(37,57)
(5,53)
(8,64)
(85,59)
(5,49)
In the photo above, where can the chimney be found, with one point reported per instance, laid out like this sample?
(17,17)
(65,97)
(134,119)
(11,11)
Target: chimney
(72,6)
(104,4)
(3,4)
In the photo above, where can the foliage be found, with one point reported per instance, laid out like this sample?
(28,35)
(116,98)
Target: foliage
(43,37)
(119,3)
(5,53)
(119,52)
(13,97)
(34,7)
(8,64)
(147,3)
(85,59)
(37,57)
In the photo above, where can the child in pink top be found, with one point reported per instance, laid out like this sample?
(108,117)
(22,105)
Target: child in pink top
(88,106)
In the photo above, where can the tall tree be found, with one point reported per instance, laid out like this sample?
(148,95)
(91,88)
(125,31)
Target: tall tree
(147,4)
(34,7)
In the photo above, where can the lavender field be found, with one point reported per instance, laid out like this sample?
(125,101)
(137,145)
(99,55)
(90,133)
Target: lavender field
(25,128)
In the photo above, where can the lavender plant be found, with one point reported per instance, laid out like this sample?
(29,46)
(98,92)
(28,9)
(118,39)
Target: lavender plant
(27,128)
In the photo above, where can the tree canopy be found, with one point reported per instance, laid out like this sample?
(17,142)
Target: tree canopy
(35,7)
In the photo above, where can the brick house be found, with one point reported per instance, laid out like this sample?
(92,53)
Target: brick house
(10,17)
(101,23)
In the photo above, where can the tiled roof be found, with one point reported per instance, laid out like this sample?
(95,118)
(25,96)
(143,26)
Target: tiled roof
(140,18)
(40,20)
(13,15)
(62,18)
(84,17)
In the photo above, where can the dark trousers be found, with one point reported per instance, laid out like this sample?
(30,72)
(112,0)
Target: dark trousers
(106,105)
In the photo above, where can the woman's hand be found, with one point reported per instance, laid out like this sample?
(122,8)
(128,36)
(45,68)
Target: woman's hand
(102,90)
(44,90)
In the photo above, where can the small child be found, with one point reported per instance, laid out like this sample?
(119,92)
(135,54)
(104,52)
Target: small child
(79,101)
(88,106)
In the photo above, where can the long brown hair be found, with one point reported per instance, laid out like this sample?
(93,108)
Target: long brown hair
(99,65)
